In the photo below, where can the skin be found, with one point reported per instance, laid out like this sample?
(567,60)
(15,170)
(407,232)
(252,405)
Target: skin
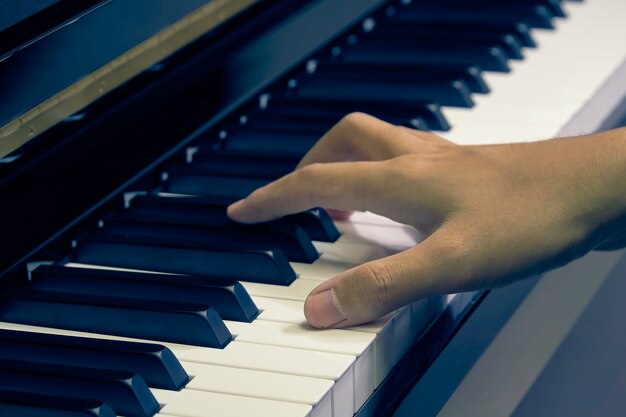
(491,214)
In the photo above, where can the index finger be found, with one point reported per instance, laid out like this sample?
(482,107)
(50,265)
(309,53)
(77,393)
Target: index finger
(341,185)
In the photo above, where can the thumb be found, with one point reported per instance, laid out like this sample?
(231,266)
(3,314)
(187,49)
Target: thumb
(368,291)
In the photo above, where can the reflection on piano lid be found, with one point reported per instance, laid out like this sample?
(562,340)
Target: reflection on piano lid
(154,268)
(43,94)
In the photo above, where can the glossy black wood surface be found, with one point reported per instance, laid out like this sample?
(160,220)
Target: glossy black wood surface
(23,21)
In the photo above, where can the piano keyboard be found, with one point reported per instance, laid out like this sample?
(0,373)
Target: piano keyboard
(141,276)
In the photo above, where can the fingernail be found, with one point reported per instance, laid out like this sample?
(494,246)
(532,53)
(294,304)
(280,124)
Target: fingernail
(322,310)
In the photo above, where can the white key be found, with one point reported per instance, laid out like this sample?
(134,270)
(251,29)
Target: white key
(191,403)
(359,344)
(345,251)
(321,269)
(260,384)
(280,310)
(277,359)
(394,238)
(297,290)
(301,336)
(405,331)
(368,217)
(338,257)
(288,311)
(384,345)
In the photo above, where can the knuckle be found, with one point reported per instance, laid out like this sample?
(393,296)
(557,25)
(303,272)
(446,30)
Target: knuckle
(458,246)
(344,132)
(308,174)
(307,178)
(377,289)
(410,167)
(354,119)
(404,163)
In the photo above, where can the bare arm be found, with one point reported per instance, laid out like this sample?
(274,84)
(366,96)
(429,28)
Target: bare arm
(491,214)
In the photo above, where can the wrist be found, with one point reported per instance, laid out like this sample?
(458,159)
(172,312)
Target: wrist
(605,187)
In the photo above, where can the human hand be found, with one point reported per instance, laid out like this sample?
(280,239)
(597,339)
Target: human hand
(491,214)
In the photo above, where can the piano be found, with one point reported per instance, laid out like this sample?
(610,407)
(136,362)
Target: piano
(127,126)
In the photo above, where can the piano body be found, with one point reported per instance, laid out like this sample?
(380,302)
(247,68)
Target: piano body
(125,132)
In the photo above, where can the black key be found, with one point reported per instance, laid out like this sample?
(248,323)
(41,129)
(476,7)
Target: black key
(192,324)
(296,244)
(264,143)
(520,30)
(191,210)
(532,15)
(209,161)
(227,297)
(291,233)
(222,234)
(554,6)
(170,198)
(126,393)
(16,403)
(488,58)
(390,111)
(313,124)
(194,183)
(271,267)
(270,143)
(156,364)
(303,122)
(391,30)
(316,222)
(272,119)
(428,88)
(403,74)
(417,123)
(308,122)
(202,212)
